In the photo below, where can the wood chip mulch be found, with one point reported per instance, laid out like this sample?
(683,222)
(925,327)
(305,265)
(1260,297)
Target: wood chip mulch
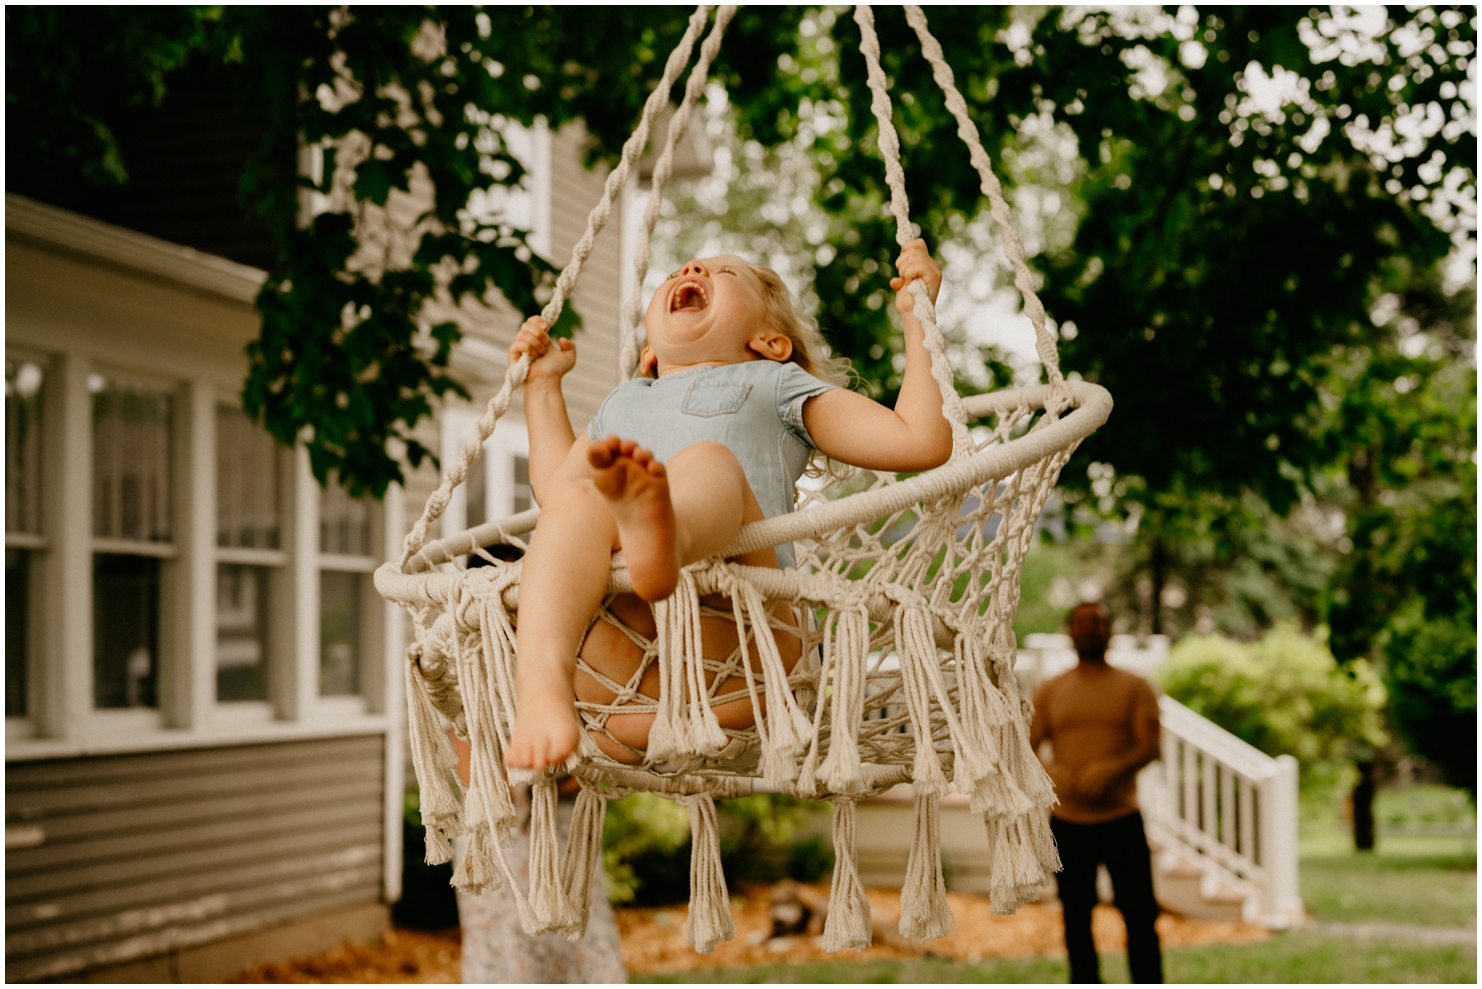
(653,941)
(401,956)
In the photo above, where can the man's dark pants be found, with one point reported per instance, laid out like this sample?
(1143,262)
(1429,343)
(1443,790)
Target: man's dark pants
(1122,846)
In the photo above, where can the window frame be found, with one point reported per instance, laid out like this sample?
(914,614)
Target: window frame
(510,440)
(277,562)
(38,546)
(372,628)
(171,651)
(62,718)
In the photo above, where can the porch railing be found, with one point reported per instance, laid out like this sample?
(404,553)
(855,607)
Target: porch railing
(1229,809)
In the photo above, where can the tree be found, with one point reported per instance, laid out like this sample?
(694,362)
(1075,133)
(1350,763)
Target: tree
(1247,184)
(1245,190)
(1402,433)
(1194,168)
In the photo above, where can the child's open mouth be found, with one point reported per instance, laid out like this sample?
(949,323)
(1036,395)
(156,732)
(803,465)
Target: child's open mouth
(689,296)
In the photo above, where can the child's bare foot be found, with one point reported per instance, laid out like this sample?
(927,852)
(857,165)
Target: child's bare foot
(637,489)
(546,730)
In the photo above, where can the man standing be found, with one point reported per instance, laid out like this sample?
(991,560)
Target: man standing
(1103,725)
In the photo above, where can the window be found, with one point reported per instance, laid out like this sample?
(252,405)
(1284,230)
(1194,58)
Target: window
(498,484)
(522,496)
(132,535)
(346,559)
(24,381)
(476,493)
(508,453)
(526,206)
(249,560)
(339,633)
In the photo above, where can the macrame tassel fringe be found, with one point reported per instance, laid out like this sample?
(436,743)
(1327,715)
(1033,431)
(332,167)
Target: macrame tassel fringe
(475,871)
(1043,840)
(925,914)
(1017,871)
(850,648)
(432,760)
(583,856)
(488,810)
(684,724)
(848,924)
(787,726)
(917,650)
(710,903)
(549,909)
(997,795)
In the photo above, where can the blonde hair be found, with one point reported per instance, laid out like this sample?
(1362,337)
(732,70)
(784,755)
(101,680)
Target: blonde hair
(809,350)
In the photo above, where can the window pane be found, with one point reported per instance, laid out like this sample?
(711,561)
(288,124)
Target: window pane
(131,459)
(126,619)
(241,633)
(17,629)
(524,494)
(476,491)
(339,633)
(23,382)
(344,522)
(246,482)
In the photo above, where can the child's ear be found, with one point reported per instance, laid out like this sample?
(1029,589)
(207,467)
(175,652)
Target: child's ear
(648,362)
(771,345)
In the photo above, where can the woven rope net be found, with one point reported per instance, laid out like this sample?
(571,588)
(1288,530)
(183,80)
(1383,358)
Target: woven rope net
(898,620)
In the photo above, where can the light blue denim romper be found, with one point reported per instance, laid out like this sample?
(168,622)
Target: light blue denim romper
(755,409)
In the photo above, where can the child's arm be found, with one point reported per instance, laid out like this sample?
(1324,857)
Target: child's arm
(912,436)
(551,435)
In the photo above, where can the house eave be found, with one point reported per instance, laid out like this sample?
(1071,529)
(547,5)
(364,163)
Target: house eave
(69,233)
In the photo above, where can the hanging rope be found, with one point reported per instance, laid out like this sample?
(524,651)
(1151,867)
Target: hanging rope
(906,231)
(633,310)
(1044,341)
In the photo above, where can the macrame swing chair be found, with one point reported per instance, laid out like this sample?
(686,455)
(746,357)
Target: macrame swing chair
(903,602)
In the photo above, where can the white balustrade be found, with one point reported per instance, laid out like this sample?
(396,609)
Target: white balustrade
(1228,808)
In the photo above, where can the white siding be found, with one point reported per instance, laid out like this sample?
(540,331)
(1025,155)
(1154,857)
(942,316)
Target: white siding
(134,856)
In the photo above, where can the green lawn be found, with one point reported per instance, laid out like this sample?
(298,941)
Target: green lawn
(1295,957)
(1431,890)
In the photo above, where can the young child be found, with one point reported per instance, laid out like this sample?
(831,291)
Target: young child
(674,464)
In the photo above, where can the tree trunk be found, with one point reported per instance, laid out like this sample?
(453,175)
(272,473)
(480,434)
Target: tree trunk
(1363,807)
(1158,571)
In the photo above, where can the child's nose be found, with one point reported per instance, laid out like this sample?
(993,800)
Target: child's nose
(695,268)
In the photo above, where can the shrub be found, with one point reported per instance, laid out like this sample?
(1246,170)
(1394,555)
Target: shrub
(1285,695)
(645,848)
(646,845)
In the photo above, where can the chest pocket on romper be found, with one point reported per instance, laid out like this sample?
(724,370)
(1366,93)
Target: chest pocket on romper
(714,399)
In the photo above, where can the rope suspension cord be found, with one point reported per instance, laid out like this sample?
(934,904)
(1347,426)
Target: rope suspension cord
(456,472)
(906,231)
(633,309)
(1044,341)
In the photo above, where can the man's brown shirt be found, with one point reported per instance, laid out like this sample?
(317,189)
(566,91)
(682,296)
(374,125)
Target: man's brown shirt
(1102,719)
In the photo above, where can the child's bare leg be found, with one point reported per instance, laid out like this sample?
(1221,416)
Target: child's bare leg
(561,586)
(669,514)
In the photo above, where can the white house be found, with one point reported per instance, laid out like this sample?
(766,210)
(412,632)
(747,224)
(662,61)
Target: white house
(203,716)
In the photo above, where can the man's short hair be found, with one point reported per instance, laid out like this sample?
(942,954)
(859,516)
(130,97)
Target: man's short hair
(1099,608)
